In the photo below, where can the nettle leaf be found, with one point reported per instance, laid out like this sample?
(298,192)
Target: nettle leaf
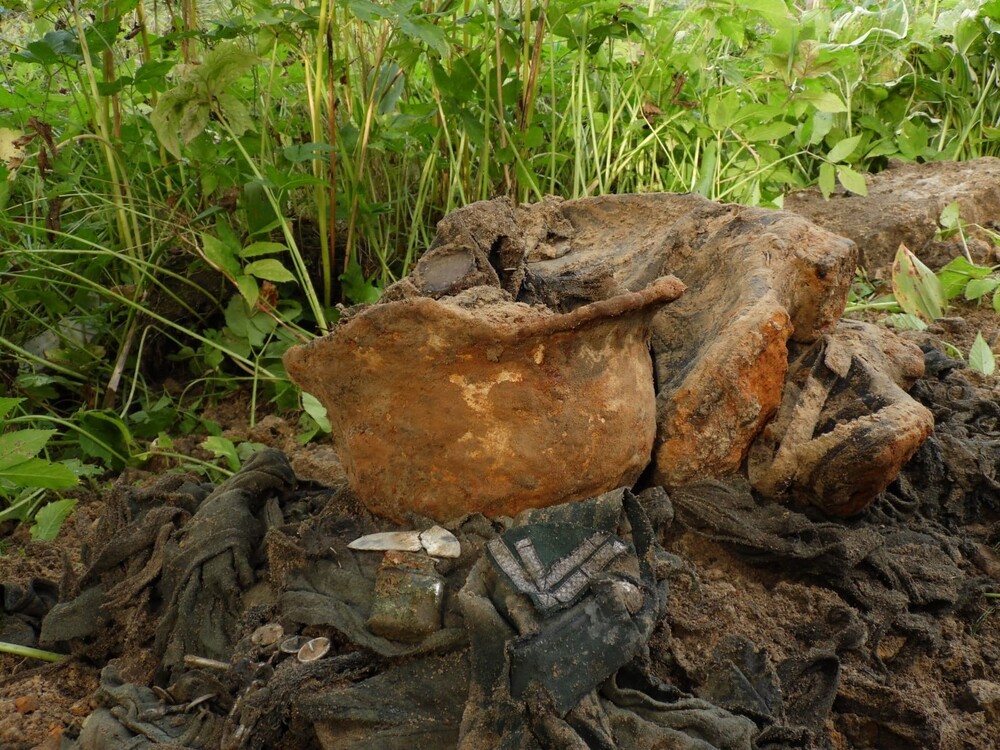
(981,357)
(234,112)
(6,404)
(183,112)
(268,269)
(917,290)
(843,149)
(223,66)
(50,518)
(37,472)
(851,180)
(18,446)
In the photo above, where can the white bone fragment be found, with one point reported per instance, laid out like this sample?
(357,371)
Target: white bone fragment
(404,541)
(440,542)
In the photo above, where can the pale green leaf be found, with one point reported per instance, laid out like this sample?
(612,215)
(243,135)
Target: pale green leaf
(824,101)
(50,518)
(312,406)
(853,181)
(917,290)
(18,446)
(222,66)
(269,269)
(977,288)
(981,357)
(261,248)
(843,149)
(996,301)
(949,216)
(905,322)
(827,179)
(37,472)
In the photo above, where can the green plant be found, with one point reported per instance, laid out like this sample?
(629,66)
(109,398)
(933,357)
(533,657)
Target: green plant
(24,477)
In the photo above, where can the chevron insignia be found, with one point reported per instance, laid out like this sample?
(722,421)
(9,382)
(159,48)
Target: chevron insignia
(559,584)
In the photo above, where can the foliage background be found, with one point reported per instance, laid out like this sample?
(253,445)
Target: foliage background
(187,189)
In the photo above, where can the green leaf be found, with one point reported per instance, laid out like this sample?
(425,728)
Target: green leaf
(981,357)
(843,149)
(996,301)
(917,290)
(234,112)
(312,406)
(357,288)
(6,404)
(50,518)
(103,435)
(300,152)
(248,290)
(824,101)
(949,216)
(221,447)
(220,255)
(17,446)
(977,288)
(905,322)
(269,269)
(770,131)
(261,248)
(37,472)
(827,179)
(852,180)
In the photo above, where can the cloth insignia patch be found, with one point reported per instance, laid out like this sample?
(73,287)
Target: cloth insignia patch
(553,563)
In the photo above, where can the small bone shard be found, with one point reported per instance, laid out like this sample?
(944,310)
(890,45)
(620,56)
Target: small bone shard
(435,541)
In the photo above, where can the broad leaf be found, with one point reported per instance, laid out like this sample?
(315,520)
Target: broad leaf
(312,406)
(269,269)
(949,216)
(37,472)
(981,357)
(50,518)
(843,149)
(977,288)
(20,445)
(905,322)
(852,180)
(220,255)
(827,179)
(917,290)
